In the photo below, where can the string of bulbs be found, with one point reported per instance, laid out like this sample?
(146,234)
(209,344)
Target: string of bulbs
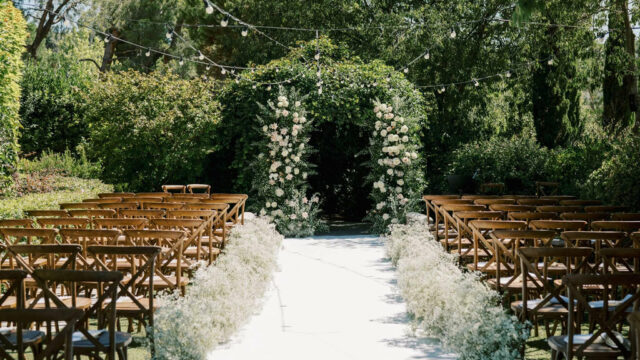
(229,69)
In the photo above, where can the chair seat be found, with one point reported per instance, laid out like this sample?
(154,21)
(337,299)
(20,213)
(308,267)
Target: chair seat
(193,251)
(515,285)
(491,268)
(160,283)
(597,349)
(82,345)
(125,306)
(548,311)
(81,302)
(469,253)
(29,337)
(9,303)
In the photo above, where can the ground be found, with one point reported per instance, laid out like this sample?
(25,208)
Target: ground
(335,297)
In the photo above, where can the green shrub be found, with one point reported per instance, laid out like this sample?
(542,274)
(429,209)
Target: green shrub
(63,163)
(64,189)
(52,88)
(499,159)
(150,129)
(571,166)
(12,37)
(617,181)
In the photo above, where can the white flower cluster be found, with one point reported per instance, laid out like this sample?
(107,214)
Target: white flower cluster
(452,305)
(284,189)
(222,297)
(394,153)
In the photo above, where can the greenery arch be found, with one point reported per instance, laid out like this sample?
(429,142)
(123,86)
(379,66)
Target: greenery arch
(344,120)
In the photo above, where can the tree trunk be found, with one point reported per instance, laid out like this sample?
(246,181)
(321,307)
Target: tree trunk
(630,41)
(44,25)
(109,50)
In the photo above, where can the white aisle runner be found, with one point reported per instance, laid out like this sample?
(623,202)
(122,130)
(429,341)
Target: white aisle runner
(334,298)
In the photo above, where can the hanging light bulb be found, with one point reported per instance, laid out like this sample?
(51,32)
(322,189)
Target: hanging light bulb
(244,32)
(443,89)
(168,35)
(427,56)
(208,67)
(66,21)
(223,71)
(208,8)
(148,53)
(317,56)
(201,56)
(453,34)
(277,70)
(508,74)
(181,62)
(237,81)
(269,88)
(476,83)
(320,90)
(254,86)
(406,70)
(224,22)
(550,62)
(319,74)
(107,39)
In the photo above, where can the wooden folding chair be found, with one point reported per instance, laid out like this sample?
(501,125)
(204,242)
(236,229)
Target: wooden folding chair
(93,214)
(121,195)
(511,208)
(118,207)
(63,223)
(559,226)
(220,227)
(194,229)
(482,230)
(16,223)
(605,208)
(558,198)
(449,234)
(44,346)
(537,202)
(107,200)
(47,213)
(559,209)
(15,236)
(160,194)
(142,214)
(88,237)
(604,343)
(212,237)
(91,343)
(465,233)
(617,225)
(437,204)
(530,216)
(174,188)
(70,206)
(122,224)
(163,205)
(626,216)
(186,199)
(583,203)
(493,188)
(541,294)
(237,203)
(430,207)
(172,244)
(584,216)
(488,202)
(131,303)
(512,240)
(199,188)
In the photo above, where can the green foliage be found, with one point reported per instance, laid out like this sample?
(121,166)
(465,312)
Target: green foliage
(12,37)
(148,130)
(52,90)
(341,112)
(499,159)
(63,163)
(617,180)
(63,189)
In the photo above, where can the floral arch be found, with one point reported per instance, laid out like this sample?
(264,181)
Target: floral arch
(379,119)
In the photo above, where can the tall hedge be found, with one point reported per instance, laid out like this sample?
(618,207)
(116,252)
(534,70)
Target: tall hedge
(150,129)
(12,38)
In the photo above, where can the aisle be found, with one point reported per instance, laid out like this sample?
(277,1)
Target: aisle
(334,298)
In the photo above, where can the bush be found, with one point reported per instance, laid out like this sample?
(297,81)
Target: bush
(150,129)
(499,159)
(60,190)
(12,37)
(454,306)
(617,181)
(52,88)
(571,166)
(64,163)
(221,298)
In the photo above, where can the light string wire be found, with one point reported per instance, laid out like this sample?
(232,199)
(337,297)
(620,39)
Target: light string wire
(425,54)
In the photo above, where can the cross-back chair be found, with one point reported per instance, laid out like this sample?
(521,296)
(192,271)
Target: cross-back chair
(16,223)
(465,233)
(142,214)
(121,195)
(482,230)
(537,202)
(85,205)
(544,188)
(63,223)
(199,189)
(428,199)
(174,189)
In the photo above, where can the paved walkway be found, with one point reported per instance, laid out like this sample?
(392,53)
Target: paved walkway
(334,298)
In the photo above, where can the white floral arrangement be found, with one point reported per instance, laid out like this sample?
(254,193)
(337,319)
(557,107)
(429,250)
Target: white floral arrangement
(397,170)
(283,168)
(221,297)
(452,305)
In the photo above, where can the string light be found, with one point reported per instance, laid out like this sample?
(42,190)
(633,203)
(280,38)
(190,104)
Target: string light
(244,32)
(223,71)
(453,34)
(181,62)
(550,62)
(209,8)
(148,53)
(224,22)
(406,70)
(169,34)
(508,74)
(476,83)
(317,56)
(200,56)
(66,21)
(427,56)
